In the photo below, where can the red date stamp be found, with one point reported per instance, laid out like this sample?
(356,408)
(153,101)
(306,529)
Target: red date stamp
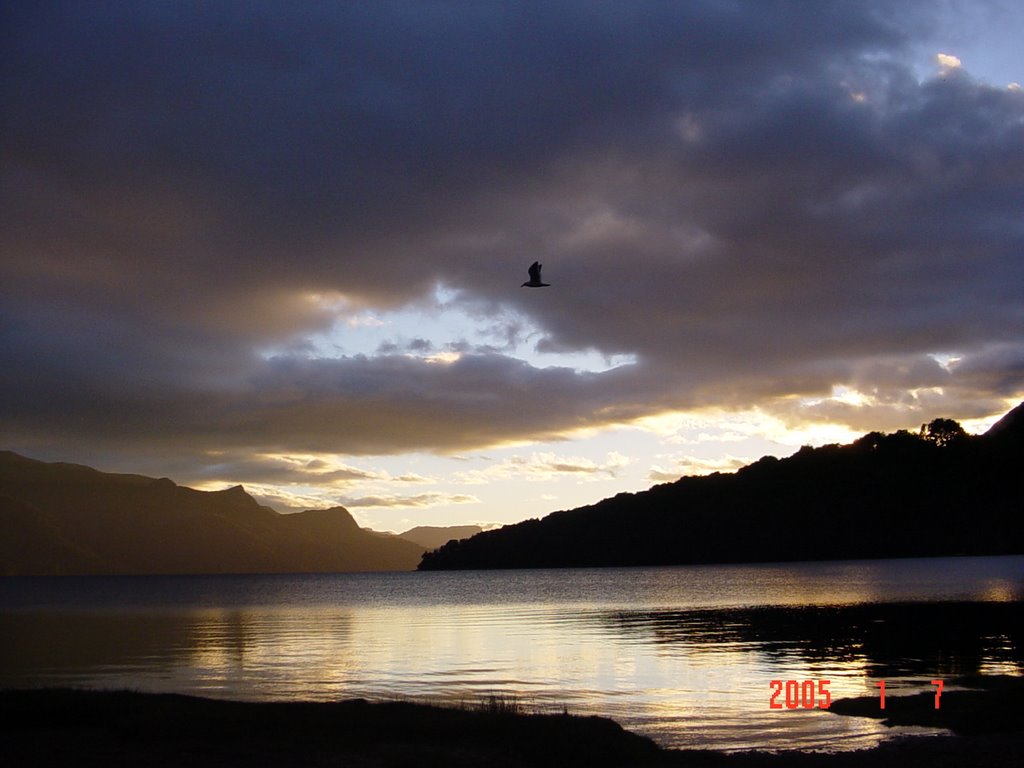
(881,693)
(800,693)
(794,694)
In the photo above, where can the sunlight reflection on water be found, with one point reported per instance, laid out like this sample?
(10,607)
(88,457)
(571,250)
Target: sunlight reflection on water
(684,655)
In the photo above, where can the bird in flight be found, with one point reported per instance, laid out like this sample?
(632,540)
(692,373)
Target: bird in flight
(534,281)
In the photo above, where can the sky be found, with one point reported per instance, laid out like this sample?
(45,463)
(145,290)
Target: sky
(282,244)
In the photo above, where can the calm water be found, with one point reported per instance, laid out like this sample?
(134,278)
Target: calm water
(684,655)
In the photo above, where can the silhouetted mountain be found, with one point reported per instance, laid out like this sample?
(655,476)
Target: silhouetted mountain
(1010,428)
(432,537)
(937,492)
(71,519)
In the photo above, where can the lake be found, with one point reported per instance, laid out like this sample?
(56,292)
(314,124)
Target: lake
(685,655)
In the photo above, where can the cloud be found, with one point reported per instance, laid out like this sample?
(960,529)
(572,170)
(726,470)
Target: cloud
(246,467)
(182,192)
(403,502)
(688,466)
(411,477)
(282,499)
(546,465)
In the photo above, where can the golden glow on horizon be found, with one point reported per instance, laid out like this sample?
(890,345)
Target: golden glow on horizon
(443,358)
(751,423)
(1000,591)
(505,483)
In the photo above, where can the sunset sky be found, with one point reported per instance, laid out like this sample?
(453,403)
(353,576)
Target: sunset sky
(281,244)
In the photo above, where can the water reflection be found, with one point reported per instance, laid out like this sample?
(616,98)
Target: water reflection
(885,639)
(685,655)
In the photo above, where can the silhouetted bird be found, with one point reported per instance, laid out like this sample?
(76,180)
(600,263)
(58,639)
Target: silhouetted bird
(534,281)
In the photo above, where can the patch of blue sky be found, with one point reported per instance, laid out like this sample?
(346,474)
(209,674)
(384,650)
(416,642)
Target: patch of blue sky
(984,41)
(442,329)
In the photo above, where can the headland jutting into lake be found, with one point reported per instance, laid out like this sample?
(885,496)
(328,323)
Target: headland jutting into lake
(934,492)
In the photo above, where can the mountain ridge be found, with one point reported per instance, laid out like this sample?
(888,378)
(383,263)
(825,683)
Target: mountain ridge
(937,492)
(60,518)
(433,536)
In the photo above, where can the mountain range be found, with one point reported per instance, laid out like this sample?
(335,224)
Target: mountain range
(71,519)
(935,492)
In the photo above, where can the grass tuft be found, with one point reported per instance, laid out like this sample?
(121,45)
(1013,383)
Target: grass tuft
(502,704)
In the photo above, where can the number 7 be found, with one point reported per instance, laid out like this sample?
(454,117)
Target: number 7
(938,693)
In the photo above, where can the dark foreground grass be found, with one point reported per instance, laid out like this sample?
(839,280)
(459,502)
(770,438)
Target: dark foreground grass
(117,728)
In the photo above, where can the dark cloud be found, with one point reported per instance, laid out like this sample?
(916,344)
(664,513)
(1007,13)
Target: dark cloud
(757,201)
(362,405)
(244,468)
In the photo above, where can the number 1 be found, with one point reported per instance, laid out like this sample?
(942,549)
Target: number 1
(881,703)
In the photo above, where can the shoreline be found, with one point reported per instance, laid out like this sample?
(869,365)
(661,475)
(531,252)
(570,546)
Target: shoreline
(102,727)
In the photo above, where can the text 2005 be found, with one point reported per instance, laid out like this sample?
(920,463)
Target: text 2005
(801,694)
